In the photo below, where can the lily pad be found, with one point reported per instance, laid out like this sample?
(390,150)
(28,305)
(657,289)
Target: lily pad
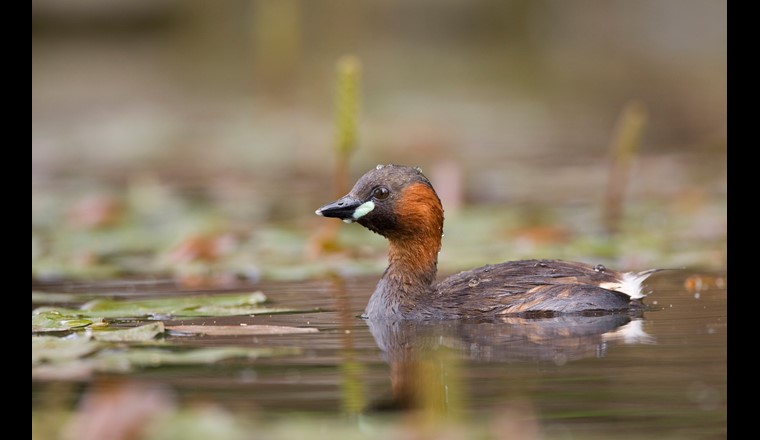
(202,422)
(125,360)
(58,297)
(54,320)
(218,330)
(207,305)
(174,304)
(56,350)
(134,334)
(76,361)
(78,369)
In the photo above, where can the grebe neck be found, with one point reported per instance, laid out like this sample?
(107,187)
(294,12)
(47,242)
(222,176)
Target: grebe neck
(413,263)
(407,281)
(414,242)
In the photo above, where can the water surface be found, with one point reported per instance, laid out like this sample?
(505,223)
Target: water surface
(658,374)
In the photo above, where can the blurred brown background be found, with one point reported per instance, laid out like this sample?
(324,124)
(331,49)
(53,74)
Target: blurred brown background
(519,98)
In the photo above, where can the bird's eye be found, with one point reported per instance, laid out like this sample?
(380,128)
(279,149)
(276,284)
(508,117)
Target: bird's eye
(380,193)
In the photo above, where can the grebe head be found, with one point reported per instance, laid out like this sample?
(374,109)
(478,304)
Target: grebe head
(395,201)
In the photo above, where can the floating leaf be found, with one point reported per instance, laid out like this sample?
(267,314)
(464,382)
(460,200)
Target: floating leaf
(217,330)
(58,297)
(173,304)
(209,305)
(134,334)
(53,320)
(54,350)
(124,360)
(203,422)
(78,358)
(233,311)
(78,369)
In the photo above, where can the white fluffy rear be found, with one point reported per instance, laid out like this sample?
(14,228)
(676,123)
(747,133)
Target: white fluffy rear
(630,283)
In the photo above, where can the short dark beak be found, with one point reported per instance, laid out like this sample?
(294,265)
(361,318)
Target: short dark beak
(343,208)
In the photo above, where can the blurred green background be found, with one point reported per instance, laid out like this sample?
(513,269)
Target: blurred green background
(155,123)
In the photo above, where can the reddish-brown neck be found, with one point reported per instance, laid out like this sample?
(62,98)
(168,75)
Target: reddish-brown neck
(414,245)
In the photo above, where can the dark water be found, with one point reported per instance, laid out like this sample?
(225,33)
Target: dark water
(659,374)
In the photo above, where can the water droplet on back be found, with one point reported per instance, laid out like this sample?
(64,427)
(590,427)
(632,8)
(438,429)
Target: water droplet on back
(473,282)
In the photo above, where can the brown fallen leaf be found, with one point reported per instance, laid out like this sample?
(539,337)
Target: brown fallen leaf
(696,283)
(119,411)
(202,247)
(193,277)
(96,211)
(543,234)
(218,330)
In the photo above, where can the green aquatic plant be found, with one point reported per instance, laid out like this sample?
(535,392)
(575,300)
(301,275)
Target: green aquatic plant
(347,109)
(347,105)
(81,357)
(177,306)
(623,149)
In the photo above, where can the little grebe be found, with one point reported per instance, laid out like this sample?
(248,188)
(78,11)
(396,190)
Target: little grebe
(399,203)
